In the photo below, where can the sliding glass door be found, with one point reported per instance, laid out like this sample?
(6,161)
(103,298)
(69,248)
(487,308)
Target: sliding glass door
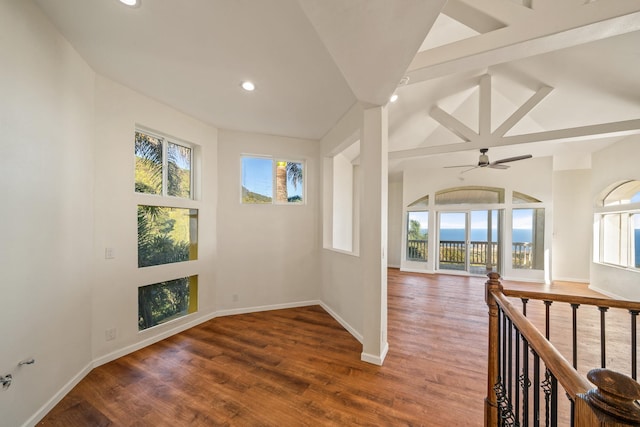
(469,241)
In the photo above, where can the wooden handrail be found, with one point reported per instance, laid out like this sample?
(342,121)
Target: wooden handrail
(573,299)
(614,401)
(567,376)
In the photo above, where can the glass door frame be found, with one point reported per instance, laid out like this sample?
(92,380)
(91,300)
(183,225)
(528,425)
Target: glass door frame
(467,245)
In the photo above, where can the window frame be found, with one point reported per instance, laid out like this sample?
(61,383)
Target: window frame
(407,240)
(274,166)
(179,269)
(600,243)
(166,140)
(624,208)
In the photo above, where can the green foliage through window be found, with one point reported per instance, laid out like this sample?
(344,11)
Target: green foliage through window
(162,167)
(165,301)
(166,235)
(417,235)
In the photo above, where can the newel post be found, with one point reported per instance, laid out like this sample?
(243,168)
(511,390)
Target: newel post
(613,403)
(490,402)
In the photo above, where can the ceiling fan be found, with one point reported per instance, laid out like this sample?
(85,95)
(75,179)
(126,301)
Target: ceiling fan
(483,161)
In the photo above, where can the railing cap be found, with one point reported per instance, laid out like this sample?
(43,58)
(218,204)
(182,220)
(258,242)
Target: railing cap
(615,396)
(615,383)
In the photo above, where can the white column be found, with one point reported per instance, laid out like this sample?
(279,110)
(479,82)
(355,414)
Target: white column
(373,235)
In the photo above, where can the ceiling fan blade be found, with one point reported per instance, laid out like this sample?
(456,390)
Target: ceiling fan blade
(470,169)
(460,166)
(498,166)
(512,159)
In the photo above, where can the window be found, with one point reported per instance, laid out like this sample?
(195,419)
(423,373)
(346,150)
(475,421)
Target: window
(421,203)
(163,167)
(166,235)
(165,301)
(167,227)
(260,175)
(417,235)
(464,195)
(624,194)
(523,198)
(617,238)
(527,235)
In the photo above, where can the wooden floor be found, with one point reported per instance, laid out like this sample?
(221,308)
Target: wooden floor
(299,367)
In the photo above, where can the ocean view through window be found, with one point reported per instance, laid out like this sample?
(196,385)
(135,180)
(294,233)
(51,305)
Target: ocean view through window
(617,227)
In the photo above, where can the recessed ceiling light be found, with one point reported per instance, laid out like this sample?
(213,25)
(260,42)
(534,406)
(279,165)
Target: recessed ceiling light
(248,86)
(393,98)
(132,3)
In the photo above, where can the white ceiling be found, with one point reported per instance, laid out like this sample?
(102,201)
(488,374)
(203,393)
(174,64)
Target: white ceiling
(312,60)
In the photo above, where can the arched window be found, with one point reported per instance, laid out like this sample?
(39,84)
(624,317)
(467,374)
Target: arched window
(623,194)
(617,235)
(473,195)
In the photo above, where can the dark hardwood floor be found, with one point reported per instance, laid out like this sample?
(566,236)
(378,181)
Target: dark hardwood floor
(299,367)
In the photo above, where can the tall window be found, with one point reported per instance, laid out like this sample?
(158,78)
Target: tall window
(167,226)
(527,235)
(617,241)
(418,230)
(261,175)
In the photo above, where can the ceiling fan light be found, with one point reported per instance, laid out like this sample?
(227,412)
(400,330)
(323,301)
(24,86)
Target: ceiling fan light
(393,98)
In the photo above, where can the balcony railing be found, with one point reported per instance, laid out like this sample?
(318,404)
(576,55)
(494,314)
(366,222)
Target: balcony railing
(453,252)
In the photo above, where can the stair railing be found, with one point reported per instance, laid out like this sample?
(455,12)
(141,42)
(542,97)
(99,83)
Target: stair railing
(526,372)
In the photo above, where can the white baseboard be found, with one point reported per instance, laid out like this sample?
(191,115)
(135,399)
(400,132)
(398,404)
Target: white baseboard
(44,410)
(151,340)
(415,270)
(342,322)
(523,279)
(607,293)
(376,359)
(256,309)
(570,279)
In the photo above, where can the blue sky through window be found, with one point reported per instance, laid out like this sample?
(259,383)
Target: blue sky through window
(257,175)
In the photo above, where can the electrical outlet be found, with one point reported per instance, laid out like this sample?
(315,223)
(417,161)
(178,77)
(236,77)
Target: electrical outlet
(110,334)
(109,253)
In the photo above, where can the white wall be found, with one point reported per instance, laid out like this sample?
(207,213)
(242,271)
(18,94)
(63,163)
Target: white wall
(572,219)
(341,288)
(342,203)
(268,254)
(115,296)
(615,163)
(394,245)
(46,223)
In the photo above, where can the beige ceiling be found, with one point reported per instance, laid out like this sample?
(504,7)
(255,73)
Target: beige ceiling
(313,59)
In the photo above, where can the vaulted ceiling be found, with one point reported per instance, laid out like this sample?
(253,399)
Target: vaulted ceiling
(472,65)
